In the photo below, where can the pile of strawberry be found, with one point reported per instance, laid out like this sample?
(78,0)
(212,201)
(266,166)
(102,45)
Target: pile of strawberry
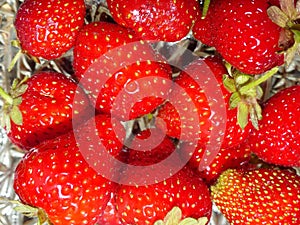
(205,125)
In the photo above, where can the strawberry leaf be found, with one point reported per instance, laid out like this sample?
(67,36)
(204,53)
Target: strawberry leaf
(278,16)
(16,115)
(242,114)
(174,217)
(259,92)
(19,90)
(12,101)
(15,84)
(234,100)
(32,212)
(288,7)
(255,115)
(17,101)
(192,221)
(229,83)
(202,221)
(246,91)
(26,210)
(242,79)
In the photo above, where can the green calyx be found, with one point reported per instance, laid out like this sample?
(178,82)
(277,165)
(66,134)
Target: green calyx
(286,17)
(174,217)
(29,211)
(245,92)
(12,100)
(32,212)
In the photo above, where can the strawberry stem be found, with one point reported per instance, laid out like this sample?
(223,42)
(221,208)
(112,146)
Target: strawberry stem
(7,98)
(258,81)
(205,8)
(14,60)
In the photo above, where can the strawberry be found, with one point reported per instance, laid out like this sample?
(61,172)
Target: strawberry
(199,103)
(43,107)
(150,146)
(94,40)
(277,139)
(165,20)
(101,132)
(48,29)
(226,158)
(56,178)
(145,204)
(110,215)
(118,77)
(242,32)
(259,196)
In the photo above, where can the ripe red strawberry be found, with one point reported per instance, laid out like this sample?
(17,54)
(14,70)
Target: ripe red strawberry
(94,40)
(242,32)
(56,178)
(101,130)
(165,20)
(110,215)
(48,29)
(151,202)
(43,107)
(190,113)
(226,158)
(260,196)
(277,139)
(118,77)
(150,146)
